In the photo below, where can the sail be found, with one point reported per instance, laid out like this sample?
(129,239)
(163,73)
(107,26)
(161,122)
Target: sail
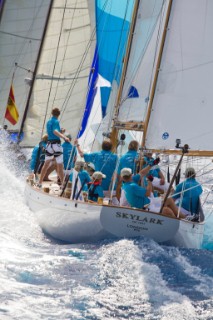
(144,48)
(182,106)
(21,27)
(64,66)
(112,26)
(113,20)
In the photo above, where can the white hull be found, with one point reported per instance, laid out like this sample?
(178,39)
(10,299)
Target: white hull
(75,222)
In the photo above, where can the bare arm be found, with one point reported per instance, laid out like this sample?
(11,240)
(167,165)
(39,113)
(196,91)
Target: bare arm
(162,179)
(143,172)
(149,189)
(61,135)
(80,151)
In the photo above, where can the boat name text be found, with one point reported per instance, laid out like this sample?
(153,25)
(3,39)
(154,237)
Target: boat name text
(135,217)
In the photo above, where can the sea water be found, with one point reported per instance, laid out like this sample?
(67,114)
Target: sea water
(123,279)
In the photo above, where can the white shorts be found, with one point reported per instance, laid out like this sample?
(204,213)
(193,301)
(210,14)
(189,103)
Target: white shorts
(123,200)
(181,209)
(54,150)
(67,172)
(156,183)
(155,204)
(115,201)
(185,212)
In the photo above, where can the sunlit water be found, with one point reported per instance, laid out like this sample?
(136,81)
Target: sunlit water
(125,279)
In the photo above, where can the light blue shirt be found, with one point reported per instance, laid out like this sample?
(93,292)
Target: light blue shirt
(98,191)
(190,198)
(128,160)
(52,125)
(104,161)
(135,195)
(68,150)
(38,154)
(84,178)
(34,157)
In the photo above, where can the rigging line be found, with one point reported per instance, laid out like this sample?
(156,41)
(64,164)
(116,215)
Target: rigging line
(73,84)
(22,47)
(76,76)
(78,71)
(65,51)
(54,66)
(18,36)
(189,68)
(150,33)
(70,29)
(121,51)
(23,68)
(38,56)
(72,8)
(66,100)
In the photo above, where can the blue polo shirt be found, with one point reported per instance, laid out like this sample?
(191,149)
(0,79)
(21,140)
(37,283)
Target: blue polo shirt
(128,160)
(68,150)
(104,161)
(34,157)
(84,178)
(52,125)
(190,198)
(98,191)
(135,195)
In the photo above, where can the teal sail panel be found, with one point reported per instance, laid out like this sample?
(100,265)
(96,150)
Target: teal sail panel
(113,18)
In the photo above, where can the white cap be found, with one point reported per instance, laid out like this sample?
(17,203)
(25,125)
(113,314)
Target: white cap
(98,175)
(126,172)
(91,165)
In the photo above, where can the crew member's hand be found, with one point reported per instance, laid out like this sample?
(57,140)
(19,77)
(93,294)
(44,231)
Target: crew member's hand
(156,161)
(150,177)
(66,139)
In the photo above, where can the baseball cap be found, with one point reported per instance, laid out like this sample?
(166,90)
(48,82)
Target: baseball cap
(126,172)
(98,175)
(91,165)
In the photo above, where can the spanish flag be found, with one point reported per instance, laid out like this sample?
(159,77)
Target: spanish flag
(11,113)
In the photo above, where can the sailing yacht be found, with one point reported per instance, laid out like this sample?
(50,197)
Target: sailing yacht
(164,91)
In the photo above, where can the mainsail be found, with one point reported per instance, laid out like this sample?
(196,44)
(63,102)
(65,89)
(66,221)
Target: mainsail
(21,28)
(182,105)
(146,37)
(64,66)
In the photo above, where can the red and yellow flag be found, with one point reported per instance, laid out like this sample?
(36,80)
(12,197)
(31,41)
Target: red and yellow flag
(11,113)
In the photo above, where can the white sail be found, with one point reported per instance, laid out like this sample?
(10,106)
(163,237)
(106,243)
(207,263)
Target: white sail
(182,106)
(62,77)
(21,29)
(145,45)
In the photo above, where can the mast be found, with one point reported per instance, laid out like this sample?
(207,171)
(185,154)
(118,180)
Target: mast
(146,122)
(114,133)
(1,9)
(36,68)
